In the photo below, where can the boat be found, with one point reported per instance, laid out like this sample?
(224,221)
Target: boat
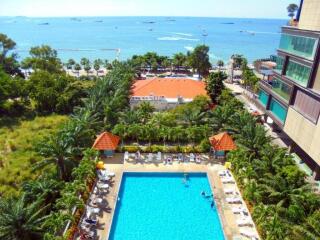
(149,22)
(46,23)
(228,23)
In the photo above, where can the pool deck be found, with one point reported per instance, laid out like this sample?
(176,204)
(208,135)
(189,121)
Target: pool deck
(116,165)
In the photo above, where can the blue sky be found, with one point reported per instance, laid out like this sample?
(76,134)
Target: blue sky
(202,8)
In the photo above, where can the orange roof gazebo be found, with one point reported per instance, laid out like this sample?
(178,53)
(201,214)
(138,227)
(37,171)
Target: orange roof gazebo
(106,141)
(222,142)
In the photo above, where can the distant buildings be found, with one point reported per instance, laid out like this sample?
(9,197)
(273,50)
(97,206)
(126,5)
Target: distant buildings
(292,98)
(166,93)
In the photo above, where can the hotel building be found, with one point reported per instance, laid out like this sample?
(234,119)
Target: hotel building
(292,98)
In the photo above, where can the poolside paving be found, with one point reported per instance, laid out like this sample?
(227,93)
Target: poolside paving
(116,165)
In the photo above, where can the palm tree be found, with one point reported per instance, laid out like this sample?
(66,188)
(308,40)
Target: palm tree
(179,60)
(77,67)
(292,9)
(97,64)
(20,220)
(220,64)
(57,150)
(310,229)
(44,188)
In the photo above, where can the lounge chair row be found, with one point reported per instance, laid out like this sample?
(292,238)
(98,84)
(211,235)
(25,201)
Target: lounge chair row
(233,197)
(95,204)
(166,158)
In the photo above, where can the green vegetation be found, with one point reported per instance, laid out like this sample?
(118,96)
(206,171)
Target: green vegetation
(282,203)
(292,9)
(18,153)
(280,199)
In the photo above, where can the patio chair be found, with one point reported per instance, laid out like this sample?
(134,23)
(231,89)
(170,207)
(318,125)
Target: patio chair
(192,157)
(248,233)
(239,210)
(227,180)
(150,157)
(244,222)
(233,200)
(159,157)
(230,191)
(198,159)
(103,185)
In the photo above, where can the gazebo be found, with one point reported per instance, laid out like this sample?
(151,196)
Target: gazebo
(107,143)
(222,143)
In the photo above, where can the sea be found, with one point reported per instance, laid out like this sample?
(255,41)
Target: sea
(122,37)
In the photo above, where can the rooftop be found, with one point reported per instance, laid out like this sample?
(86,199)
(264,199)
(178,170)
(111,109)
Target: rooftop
(106,141)
(222,142)
(169,88)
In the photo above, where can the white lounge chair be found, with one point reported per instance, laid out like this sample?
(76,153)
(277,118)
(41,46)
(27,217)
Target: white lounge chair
(192,157)
(150,157)
(239,210)
(230,191)
(126,156)
(107,173)
(159,157)
(227,180)
(244,222)
(103,185)
(198,159)
(103,177)
(233,200)
(249,234)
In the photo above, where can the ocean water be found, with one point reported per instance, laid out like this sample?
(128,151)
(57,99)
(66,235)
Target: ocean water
(91,36)
(160,206)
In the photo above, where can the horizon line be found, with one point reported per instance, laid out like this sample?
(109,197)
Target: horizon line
(84,16)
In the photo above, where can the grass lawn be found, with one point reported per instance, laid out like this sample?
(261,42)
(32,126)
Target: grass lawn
(17,154)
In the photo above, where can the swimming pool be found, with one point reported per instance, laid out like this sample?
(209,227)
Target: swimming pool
(154,206)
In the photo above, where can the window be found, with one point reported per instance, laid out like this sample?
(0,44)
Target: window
(281,88)
(278,110)
(280,63)
(298,73)
(299,45)
(263,97)
(307,106)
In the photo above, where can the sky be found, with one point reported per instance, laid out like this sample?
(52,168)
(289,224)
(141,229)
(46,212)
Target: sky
(199,8)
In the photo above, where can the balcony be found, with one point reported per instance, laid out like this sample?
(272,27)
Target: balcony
(278,110)
(263,98)
(278,87)
(298,73)
(301,46)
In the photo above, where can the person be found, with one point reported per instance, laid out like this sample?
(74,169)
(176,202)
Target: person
(203,193)
(212,204)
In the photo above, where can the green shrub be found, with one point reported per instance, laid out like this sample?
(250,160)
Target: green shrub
(131,149)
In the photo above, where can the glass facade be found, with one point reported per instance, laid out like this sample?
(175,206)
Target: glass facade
(281,88)
(263,97)
(298,73)
(299,45)
(278,110)
(280,63)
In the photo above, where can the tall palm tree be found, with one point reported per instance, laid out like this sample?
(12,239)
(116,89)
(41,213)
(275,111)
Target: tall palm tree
(58,151)
(20,220)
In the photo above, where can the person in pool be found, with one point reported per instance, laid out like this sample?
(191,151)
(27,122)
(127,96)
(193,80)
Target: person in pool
(212,204)
(203,193)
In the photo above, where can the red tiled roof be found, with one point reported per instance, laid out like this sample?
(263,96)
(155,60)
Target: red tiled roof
(169,87)
(106,141)
(222,142)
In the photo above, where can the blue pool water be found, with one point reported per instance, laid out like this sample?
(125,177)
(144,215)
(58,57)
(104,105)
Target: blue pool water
(161,206)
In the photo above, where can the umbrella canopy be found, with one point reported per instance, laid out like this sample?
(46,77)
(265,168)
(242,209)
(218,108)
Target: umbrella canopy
(222,142)
(106,141)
